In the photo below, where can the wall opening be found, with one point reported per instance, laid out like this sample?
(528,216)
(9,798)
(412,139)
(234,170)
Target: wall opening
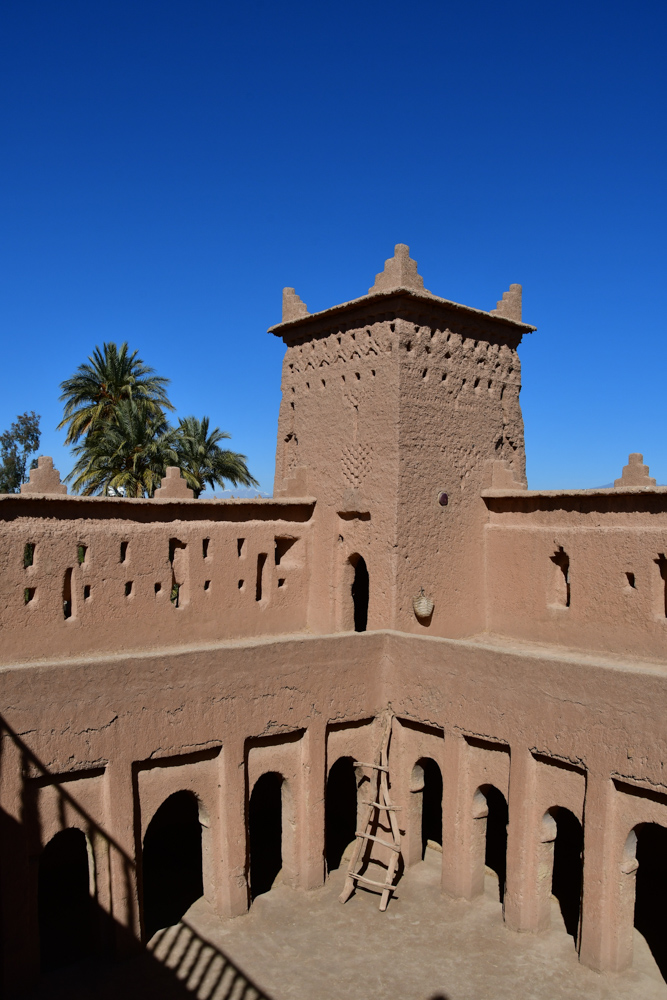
(651,891)
(67,593)
(360,592)
(28,554)
(340,811)
(177,558)
(64,904)
(282,547)
(265,828)
(495,852)
(172,862)
(261,559)
(561,561)
(431,803)
(567,880)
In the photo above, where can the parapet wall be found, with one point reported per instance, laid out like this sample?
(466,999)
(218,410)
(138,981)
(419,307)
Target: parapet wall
(93,575)
(585,569)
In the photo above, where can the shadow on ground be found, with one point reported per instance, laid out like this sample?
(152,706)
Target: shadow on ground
(178,964)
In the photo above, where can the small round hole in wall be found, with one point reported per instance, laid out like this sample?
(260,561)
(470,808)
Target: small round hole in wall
(443,499)
(281,582)
(240,584)
(158,588)
(207,584)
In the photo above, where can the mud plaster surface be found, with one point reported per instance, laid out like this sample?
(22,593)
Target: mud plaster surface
(297,946)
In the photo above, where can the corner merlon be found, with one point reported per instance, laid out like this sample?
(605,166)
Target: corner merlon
(293,307)
(510,304)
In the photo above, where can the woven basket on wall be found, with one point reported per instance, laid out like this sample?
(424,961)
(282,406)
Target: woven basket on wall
(423,605)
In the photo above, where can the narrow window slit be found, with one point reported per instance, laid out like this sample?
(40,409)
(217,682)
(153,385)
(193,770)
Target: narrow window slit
(28,554)
(261,559)
(561,560)
(123,551)
(67,594)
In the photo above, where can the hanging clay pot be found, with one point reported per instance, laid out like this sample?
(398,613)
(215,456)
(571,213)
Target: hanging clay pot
(423,605)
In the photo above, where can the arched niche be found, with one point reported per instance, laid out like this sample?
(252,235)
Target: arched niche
(65,908)
(265,832)
(489,809)
(426,803)
(172,876)
(561,869)
(340,811)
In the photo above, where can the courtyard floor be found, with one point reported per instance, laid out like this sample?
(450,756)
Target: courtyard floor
(300,946)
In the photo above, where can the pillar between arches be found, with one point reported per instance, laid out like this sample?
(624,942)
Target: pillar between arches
(601,902)
(310,813)
(233,895)
(522,909)
(459,854)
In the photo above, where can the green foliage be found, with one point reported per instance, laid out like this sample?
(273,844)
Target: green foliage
(16,445)
(114,414)
(202,460)
(112,376)
(127,456)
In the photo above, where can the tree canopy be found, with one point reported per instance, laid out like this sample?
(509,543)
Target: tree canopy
(114,411)
(202,460)
(16,446)
(96,390)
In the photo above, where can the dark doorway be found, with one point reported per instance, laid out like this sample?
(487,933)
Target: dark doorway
(340,810)
(265,820)
(431,803)
(568,872)
(360,593)
(64,900)
(172,862)
(495,856)
(651,891)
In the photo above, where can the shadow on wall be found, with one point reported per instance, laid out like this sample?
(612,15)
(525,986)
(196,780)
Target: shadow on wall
(80,944)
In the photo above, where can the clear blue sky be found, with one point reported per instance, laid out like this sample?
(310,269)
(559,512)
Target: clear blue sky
(169,166)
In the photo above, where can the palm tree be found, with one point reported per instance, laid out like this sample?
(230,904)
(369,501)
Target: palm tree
(96,389)
(203,461)
(128,456)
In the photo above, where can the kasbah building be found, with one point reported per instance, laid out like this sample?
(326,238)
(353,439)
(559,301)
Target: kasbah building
(248,683)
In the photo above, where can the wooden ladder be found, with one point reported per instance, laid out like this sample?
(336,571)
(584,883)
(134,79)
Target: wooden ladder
(380,804)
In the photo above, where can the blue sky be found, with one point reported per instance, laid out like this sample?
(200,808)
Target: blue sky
(168,167)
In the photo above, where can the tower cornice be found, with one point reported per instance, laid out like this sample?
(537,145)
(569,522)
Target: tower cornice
(399,303)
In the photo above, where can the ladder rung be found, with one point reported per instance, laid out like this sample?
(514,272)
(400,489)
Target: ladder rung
(378,805)
(385,843)
(378,767)
(369,881)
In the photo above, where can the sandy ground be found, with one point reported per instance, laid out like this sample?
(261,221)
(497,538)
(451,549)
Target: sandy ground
(299,946)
